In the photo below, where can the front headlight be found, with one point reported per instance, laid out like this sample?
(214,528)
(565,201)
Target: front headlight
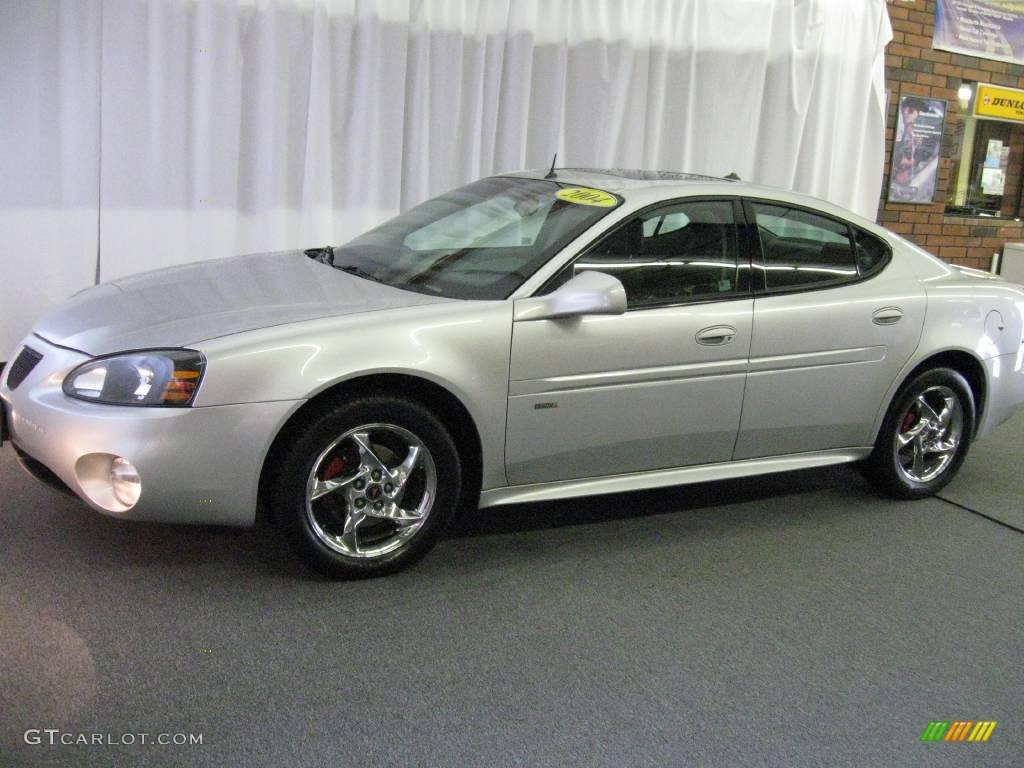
(165,377)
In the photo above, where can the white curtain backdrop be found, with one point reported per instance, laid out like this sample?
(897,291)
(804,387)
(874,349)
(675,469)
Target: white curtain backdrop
(144,133)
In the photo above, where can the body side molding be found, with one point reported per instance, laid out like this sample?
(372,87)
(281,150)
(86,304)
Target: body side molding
(661,478)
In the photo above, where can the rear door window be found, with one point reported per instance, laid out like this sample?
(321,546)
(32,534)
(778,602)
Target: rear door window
(801,249)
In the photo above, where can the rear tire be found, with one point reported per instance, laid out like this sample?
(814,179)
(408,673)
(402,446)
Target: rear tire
(925,436)
(367,487)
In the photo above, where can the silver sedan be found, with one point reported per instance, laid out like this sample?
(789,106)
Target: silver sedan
(527,337)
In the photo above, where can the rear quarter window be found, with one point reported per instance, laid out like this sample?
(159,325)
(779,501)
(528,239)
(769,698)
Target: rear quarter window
(871,253)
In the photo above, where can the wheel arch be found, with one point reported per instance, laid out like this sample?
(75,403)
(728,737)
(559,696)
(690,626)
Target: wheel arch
(446,405)
(959,360)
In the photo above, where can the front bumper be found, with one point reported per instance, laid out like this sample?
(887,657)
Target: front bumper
(196,465)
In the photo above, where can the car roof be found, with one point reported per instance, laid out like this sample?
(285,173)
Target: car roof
(620,179)
(646,186)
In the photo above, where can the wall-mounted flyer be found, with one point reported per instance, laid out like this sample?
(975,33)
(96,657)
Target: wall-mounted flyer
(915,152)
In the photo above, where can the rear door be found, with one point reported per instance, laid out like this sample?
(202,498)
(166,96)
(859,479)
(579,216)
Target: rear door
(832,329)
(657,387)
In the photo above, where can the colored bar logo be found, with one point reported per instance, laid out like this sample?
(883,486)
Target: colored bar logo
(958,730)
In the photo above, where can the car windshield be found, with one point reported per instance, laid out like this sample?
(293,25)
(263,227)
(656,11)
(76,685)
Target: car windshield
(481,241)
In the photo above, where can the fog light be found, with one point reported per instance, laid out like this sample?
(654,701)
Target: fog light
(109,482)
(125,482)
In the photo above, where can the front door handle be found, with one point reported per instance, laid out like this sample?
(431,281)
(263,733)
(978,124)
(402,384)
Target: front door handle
(887,316)
(716,335)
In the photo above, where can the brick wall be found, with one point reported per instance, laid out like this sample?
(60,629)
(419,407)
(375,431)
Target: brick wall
(913,68)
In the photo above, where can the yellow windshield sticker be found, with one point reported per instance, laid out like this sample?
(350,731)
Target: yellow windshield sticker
(586,196)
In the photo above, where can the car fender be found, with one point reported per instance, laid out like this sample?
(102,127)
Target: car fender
(461,346)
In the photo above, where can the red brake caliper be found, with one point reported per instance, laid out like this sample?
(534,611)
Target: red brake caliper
(335,468)
(908,421)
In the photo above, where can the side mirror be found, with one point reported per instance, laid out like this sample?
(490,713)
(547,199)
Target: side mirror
(589,293)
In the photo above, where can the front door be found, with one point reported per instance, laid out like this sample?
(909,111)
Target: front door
(660,386)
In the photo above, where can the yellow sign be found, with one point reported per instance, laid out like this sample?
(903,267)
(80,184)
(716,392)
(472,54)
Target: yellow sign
(998,102)
(587,196)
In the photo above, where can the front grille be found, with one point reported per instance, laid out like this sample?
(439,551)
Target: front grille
(22,366)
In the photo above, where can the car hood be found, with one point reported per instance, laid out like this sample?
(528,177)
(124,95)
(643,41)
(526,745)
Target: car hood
(179,306)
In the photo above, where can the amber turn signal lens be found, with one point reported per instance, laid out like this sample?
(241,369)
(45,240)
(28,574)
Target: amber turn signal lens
(181,386)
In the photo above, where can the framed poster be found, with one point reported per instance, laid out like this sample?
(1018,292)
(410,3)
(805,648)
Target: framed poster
(915,150)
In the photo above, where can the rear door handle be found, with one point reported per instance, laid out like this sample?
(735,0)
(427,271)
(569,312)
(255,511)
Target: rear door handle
(887,316)
(716,335)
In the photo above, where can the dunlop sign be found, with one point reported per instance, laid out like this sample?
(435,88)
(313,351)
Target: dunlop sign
(1000,103)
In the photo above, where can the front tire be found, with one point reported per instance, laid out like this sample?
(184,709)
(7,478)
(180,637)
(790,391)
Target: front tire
(367,487)
(925,436)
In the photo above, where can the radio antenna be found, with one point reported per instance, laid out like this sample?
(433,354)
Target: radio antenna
(551,173)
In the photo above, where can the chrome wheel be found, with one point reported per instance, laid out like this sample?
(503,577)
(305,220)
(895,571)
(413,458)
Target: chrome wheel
(370,491)
(929,434)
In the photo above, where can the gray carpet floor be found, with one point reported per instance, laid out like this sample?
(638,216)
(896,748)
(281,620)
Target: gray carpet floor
(795,620)
(992,480)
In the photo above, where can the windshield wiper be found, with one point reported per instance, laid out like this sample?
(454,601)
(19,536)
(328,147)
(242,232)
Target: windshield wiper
(352,269)
(324,255)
